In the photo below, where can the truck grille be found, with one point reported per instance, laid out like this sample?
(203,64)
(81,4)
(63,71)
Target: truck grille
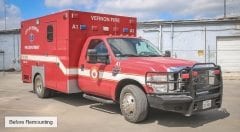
(206,82)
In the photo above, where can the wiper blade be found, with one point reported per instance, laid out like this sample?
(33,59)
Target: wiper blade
(155,55)
(128,55)
(151,55)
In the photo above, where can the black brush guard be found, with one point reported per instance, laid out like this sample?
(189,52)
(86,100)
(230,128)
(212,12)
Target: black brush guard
(191,92)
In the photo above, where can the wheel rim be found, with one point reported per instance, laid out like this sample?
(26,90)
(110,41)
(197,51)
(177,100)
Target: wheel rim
(128,104)
(38,85)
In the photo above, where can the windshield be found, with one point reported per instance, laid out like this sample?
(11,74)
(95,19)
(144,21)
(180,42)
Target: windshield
(132,47)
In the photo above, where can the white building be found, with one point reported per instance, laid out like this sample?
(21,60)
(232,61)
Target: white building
(216,41)
(10,49)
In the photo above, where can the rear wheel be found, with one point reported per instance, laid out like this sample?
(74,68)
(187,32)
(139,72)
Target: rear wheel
(133,104)
(39,88)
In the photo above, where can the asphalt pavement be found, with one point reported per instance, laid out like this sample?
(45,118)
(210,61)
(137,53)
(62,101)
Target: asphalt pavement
(74,113)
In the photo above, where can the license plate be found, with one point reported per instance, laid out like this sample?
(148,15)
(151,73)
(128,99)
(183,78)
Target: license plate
(211,80)
(206,104)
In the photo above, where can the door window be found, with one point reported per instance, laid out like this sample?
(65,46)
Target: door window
(100,48)
(98,45)
(50,33)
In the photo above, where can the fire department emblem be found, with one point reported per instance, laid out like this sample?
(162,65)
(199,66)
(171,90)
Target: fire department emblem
(94,73)
(31,37)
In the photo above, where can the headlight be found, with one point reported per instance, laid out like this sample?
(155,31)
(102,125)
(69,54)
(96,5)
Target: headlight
(160,77)
(157,78)
(161,82)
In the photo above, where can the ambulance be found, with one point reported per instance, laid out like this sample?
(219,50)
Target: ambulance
(100,56)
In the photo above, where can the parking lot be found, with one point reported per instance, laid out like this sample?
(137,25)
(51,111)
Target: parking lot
(75,113)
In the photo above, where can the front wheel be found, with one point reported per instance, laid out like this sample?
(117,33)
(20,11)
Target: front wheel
(133,104)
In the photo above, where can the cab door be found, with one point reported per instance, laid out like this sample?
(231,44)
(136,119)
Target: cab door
(93,81)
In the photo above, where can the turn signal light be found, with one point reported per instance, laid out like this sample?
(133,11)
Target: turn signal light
(216,72)
(185,76)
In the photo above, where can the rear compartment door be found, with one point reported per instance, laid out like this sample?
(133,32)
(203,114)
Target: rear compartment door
(50,42)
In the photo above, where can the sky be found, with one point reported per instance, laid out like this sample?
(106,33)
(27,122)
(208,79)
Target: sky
(144,10)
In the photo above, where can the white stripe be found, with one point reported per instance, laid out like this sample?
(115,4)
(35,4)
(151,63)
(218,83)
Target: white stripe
(52,59)
(121,76)
(85,72)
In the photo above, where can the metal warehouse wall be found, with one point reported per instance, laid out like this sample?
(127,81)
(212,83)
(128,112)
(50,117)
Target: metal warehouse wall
(186,39)
(189,40)
(10,45)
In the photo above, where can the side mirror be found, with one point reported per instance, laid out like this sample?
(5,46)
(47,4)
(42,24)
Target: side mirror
(103,58)
(167,53)
(94,57)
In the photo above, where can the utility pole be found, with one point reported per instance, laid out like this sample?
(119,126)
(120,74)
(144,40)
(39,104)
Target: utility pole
(205,43)
(5,15)
(224,4)
(172,37)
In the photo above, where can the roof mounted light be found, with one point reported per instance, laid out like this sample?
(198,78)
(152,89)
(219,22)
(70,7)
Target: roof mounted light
(74,15)
(83,27)
(125,30)
(131,21)
(106,29)
(115,29)
(94,28)
(65,16)
(131,30)
(37,21)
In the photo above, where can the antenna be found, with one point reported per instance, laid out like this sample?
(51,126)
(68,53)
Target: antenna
(224,5)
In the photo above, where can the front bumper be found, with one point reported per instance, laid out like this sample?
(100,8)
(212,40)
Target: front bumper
(200,92)
(183,103)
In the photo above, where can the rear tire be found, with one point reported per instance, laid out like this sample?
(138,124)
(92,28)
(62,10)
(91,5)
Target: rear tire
(39,88)
(133,104)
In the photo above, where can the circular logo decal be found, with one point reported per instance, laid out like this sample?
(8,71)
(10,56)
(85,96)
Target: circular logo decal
(31,37)
(94,73)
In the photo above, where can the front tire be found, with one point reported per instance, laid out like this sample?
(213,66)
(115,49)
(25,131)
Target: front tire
(133,104)
(39,88)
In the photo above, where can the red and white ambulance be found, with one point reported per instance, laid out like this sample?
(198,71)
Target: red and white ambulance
(100,56)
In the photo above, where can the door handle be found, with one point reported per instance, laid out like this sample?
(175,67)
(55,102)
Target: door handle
(82,67)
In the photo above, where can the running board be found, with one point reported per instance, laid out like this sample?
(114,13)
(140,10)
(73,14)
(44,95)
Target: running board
(98,99)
